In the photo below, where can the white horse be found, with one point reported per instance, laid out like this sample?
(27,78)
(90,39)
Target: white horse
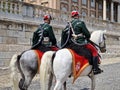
(60,63)
(27,63)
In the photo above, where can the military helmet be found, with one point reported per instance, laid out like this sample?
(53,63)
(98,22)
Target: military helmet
(74,13)
(47,17)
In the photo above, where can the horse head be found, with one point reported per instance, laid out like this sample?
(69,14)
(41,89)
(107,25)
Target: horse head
(99,38)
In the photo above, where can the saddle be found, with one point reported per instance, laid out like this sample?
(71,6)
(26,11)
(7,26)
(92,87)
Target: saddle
(82,51)
(43,48)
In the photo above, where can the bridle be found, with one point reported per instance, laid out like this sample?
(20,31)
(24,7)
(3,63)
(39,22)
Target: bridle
(102,45)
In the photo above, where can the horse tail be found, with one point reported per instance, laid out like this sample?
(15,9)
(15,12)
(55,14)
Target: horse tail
(13,67)
(45,68)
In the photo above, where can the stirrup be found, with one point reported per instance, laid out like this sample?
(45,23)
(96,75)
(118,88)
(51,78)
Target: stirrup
(97,71)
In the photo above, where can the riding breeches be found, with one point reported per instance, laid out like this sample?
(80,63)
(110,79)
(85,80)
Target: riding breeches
(92,49)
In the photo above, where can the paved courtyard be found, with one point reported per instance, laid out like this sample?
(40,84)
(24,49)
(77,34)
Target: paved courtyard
(109,80)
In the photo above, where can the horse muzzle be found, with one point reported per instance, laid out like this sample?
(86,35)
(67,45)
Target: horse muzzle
(103,50)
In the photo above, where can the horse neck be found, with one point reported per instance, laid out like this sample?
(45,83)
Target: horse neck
(96,37)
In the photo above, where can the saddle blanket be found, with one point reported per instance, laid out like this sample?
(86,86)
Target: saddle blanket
(79,64)
(39,56)
(40,53)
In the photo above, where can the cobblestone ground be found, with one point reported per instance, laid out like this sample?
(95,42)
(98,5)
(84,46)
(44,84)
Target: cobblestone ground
(109,80)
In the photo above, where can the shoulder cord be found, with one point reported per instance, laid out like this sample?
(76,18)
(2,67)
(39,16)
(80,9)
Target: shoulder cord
(40,37)
(74,35)
(67,37)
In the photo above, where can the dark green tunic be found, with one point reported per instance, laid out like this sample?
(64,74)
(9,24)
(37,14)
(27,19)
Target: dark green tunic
(79,27)
(48,32)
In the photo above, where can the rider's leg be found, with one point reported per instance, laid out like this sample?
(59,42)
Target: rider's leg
(96,68)
(96,60)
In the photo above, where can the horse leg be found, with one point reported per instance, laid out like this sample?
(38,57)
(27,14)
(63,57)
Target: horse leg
(25,82)
(27,75)
(62,67)
(65,88)
(21,82)
(58,85)
(92,77)
(61,80)
(50,81)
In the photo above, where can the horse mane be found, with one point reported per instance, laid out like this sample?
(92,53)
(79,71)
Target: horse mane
(98,34)
(81,50)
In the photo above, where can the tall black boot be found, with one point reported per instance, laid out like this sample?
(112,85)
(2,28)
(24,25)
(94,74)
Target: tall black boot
(96,68)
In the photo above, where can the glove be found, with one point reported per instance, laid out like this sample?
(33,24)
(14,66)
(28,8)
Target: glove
(74,36)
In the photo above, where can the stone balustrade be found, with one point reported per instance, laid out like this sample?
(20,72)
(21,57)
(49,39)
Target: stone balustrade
(33,14)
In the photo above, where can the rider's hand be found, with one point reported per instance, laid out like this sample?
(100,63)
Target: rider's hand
(75,36)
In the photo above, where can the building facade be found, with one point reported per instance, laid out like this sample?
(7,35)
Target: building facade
(102,9)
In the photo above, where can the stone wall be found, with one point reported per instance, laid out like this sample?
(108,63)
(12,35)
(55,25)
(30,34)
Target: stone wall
(15,38)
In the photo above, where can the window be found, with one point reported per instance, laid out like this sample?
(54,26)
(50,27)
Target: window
(84,13)
(100,5)
(84,2)
(108,7)
(64,9)
(32,0)
(64,16)
(92,3)
(75,0)
(100,17)
(92,14)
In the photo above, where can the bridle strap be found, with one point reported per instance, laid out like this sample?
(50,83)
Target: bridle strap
(93,43)
(104,45)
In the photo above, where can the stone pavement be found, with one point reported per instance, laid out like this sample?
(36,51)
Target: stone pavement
(109,80)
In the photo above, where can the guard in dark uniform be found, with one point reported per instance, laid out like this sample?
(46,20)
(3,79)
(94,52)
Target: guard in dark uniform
(81,35)
(44,34)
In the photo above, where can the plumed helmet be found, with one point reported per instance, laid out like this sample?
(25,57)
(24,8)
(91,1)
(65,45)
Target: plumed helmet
(74,13)
(47,17)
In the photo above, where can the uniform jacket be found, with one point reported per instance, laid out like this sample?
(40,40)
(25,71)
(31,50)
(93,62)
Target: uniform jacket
(79,27)
(47,32)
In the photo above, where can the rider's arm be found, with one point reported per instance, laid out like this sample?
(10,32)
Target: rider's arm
(34,39)
(64,35)
(85,30)
(52,36)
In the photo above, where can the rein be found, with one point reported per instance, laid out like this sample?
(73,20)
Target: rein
(96,44)
(93,43)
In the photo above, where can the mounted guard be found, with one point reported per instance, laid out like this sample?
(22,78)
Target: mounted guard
(28,61)
(44,35)
(79,34)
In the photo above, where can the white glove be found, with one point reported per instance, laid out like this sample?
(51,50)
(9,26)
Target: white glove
(74,36)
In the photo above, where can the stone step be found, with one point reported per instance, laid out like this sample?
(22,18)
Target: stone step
(109,55)
(113,48)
